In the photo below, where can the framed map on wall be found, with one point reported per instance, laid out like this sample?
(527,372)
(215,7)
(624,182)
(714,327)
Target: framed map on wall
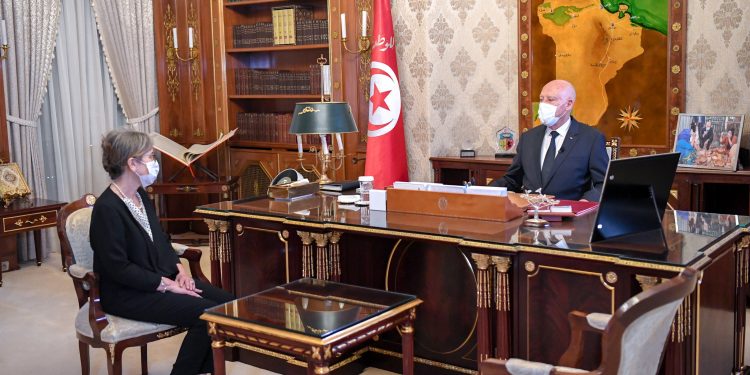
(624,57)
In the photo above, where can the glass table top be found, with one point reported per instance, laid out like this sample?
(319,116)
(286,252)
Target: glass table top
(687,234)
(312,307)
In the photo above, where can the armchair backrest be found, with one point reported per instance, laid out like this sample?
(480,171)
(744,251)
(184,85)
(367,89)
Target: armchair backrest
(635,337)
(73,224)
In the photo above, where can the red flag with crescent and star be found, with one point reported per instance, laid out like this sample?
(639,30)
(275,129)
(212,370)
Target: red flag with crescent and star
(386,147)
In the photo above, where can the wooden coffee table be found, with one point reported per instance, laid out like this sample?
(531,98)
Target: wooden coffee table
(314,320)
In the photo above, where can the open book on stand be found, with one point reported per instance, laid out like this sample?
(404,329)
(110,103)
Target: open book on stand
(184,155)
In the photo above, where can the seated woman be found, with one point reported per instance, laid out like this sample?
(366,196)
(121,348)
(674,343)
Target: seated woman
(141,277)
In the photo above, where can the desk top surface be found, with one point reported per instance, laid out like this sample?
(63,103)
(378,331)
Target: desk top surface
(20,206)
(691,236)
(315,308)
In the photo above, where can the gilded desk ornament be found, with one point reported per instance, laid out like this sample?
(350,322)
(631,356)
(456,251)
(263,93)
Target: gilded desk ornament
(405,328)
(111,353)
(211,328)
(239,229)
(611,277)
(217,344)
(646,282)
(322,370)
(529,266)
(676,26)
(676,69)
(484,292)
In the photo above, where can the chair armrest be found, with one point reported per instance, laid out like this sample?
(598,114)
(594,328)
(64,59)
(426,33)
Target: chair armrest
(193,256)
(493,366)
(97,317)
(579,323)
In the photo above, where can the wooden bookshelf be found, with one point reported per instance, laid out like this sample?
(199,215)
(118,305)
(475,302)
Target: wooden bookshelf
(275,97)
(293,47)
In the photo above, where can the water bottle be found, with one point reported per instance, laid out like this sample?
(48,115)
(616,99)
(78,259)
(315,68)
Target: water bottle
(365,185)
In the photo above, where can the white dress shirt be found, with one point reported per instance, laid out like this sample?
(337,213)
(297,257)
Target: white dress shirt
(562,132)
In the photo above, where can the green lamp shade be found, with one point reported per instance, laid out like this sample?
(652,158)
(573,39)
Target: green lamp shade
(322,118)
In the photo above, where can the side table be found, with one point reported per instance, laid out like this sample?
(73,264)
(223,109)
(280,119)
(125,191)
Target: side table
(24,215)
(315,320)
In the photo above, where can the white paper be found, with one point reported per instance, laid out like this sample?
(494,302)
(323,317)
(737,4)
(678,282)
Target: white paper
(456,189)
(488,190)
(343,25)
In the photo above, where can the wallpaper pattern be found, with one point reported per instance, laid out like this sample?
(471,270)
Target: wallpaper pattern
(458,69)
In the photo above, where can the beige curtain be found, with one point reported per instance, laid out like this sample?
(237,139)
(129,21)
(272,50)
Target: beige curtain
(32,30)
(127,34)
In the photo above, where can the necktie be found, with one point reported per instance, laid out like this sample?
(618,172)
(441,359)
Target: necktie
(549,158)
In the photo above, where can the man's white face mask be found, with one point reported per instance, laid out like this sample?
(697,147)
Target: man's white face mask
(547,113)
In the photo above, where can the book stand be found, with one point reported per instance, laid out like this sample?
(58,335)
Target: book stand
(199,167)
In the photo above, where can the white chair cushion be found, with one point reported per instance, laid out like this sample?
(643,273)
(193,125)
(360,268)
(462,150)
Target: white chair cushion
(598,320)
(517,366)
(77,228)
(118,328)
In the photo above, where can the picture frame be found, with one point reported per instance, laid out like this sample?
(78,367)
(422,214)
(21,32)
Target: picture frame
(708,141)
(12,183)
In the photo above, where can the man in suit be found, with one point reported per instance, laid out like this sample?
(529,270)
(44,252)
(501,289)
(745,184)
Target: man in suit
(564,158)
(707,136)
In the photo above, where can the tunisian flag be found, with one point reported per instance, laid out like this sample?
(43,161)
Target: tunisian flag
(386,149)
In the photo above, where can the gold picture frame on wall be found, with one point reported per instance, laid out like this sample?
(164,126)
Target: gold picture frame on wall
(12,183)
(626,62)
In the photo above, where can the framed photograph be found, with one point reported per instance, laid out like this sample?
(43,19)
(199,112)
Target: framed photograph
(12,183)
(708,141)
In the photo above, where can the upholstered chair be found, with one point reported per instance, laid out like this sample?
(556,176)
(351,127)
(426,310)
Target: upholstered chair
(633,339)
(94,327)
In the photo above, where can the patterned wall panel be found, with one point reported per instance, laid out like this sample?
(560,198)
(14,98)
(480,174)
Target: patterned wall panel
(458,66)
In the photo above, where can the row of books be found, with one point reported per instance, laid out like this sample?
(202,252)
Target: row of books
(269,127)
(266,34)
(277,82)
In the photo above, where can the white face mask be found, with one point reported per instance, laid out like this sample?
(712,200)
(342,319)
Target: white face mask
(153,171)
(547,113)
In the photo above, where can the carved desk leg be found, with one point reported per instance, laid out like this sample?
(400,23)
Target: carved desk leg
(484,301)
(213,246)
(742,277)
(407,343)
(225,255)
(322,261)
(308,269)
(502,306)
(218,350)
(321,356)
(335,256)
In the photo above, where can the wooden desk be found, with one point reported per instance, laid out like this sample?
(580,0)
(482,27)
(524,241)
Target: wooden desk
(480,170)
(188,195)
(706,190)
(491,287)
(313,320)
(28,215)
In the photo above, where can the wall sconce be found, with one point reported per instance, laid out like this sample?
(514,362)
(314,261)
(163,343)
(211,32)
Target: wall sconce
(364,40)
(4,41)
(173,55)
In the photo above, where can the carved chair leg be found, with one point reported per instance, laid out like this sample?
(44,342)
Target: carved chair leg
(83,350)
(114,360)
(144,359)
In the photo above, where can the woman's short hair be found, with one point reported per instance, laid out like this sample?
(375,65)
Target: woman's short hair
(121,144)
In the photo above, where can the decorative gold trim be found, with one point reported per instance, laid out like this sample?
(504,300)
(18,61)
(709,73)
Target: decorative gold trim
(423,361)
(611,277)
(111,353)
(405,328)
(288,358)
(676,26)
(211,328)
(483,280)
(676,69)
(218,344)
(529,266)
(195,64)
(646,282)
(239,214)
(339,299)
(280,234)
(579,272)
(169,333)
(304,339)
(173,79)
(23,219)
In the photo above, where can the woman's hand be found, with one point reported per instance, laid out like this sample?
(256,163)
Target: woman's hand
(185,281)
(173,286)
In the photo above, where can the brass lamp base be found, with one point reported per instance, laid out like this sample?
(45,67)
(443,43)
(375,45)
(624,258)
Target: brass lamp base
(536,222)
(324,179)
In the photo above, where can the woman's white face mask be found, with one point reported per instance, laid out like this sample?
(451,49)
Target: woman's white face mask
(153,171)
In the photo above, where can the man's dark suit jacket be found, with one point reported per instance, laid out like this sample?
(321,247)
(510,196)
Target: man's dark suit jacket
(578,172)
(124,256)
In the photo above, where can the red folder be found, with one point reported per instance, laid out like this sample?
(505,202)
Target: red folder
(578,208)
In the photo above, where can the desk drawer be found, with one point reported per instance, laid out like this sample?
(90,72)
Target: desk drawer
(26,222)
(189,189)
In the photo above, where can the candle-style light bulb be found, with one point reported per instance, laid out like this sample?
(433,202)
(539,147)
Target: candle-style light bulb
(324,144)
(190,37)
(364,23)
(299,145)
(340,142)
(343,25)
(174,37)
